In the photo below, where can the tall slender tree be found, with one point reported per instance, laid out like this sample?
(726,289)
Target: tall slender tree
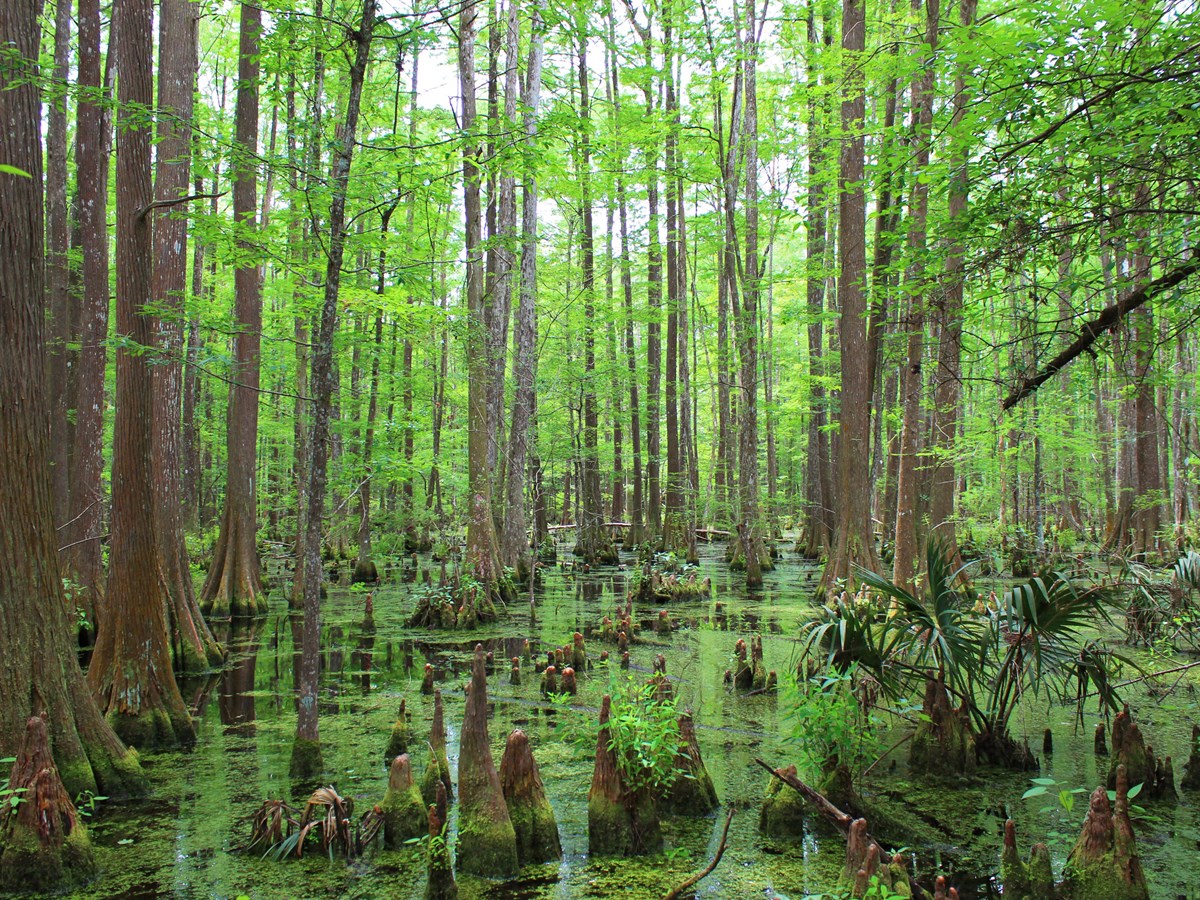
(948,315)
(854,538)
(234,585)
(58,309)
(192,644)
(514,540)
(594,544)
(904,567)
(751,553)
(307,760)
(91,160)
(482,556)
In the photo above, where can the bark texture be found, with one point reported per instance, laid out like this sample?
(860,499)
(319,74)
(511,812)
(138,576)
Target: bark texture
(854,539)
(91,159)
(193,647)
(234,585)
(131,672)
(39,669)
(532,816)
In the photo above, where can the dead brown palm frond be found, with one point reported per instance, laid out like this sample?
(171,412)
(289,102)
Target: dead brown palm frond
(331,812)
(281,831)
(271,824)
(368,828)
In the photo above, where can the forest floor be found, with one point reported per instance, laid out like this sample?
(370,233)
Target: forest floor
(182,842)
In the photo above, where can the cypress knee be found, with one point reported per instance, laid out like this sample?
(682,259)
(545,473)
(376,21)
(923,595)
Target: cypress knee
(1104,863)
(532,816)
(487,842)
(403,808)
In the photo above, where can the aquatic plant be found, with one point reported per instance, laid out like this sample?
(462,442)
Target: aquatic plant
(326,817)
(441,884)
(828,724)
(989,652)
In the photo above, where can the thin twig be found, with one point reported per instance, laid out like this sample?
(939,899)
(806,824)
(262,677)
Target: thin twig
(675,893)
(887,752)
(98,537)
(77,518)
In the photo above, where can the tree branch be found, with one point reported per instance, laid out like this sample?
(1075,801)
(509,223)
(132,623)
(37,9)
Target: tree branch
(677,892)
(158,204)
(1108,319)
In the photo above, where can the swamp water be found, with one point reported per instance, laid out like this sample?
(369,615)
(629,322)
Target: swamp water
(180,843)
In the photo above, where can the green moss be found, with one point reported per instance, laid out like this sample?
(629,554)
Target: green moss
(437,770)
(1099,879)
(306,763)
(117,777)
(537,832)
(404,816)
(151,728)
(782,813)
(29,867)
(397,741)
(486,847)
(609,832)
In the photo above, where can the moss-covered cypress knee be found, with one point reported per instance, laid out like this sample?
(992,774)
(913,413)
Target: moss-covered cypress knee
(1191,770)
(532,816)
(609,831)
(403,809)
(1104,863)
(692,794)
(782,812)
(44,845)
(1128,750)
(398,741)
(438,770)
(487,842)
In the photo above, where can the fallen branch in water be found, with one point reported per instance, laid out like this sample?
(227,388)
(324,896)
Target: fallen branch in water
(830,813)
(676,892)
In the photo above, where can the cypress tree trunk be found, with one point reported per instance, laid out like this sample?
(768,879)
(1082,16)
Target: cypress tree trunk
(306,762)
(91,159)
(234,585)
(57,270)
(131,672)
(948,313)
(636,500)
(40,671)
(514,547)
(818,480)
(594,544)
(482,559)
(749,519)
(192,644)
(904,566)
(854,540)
